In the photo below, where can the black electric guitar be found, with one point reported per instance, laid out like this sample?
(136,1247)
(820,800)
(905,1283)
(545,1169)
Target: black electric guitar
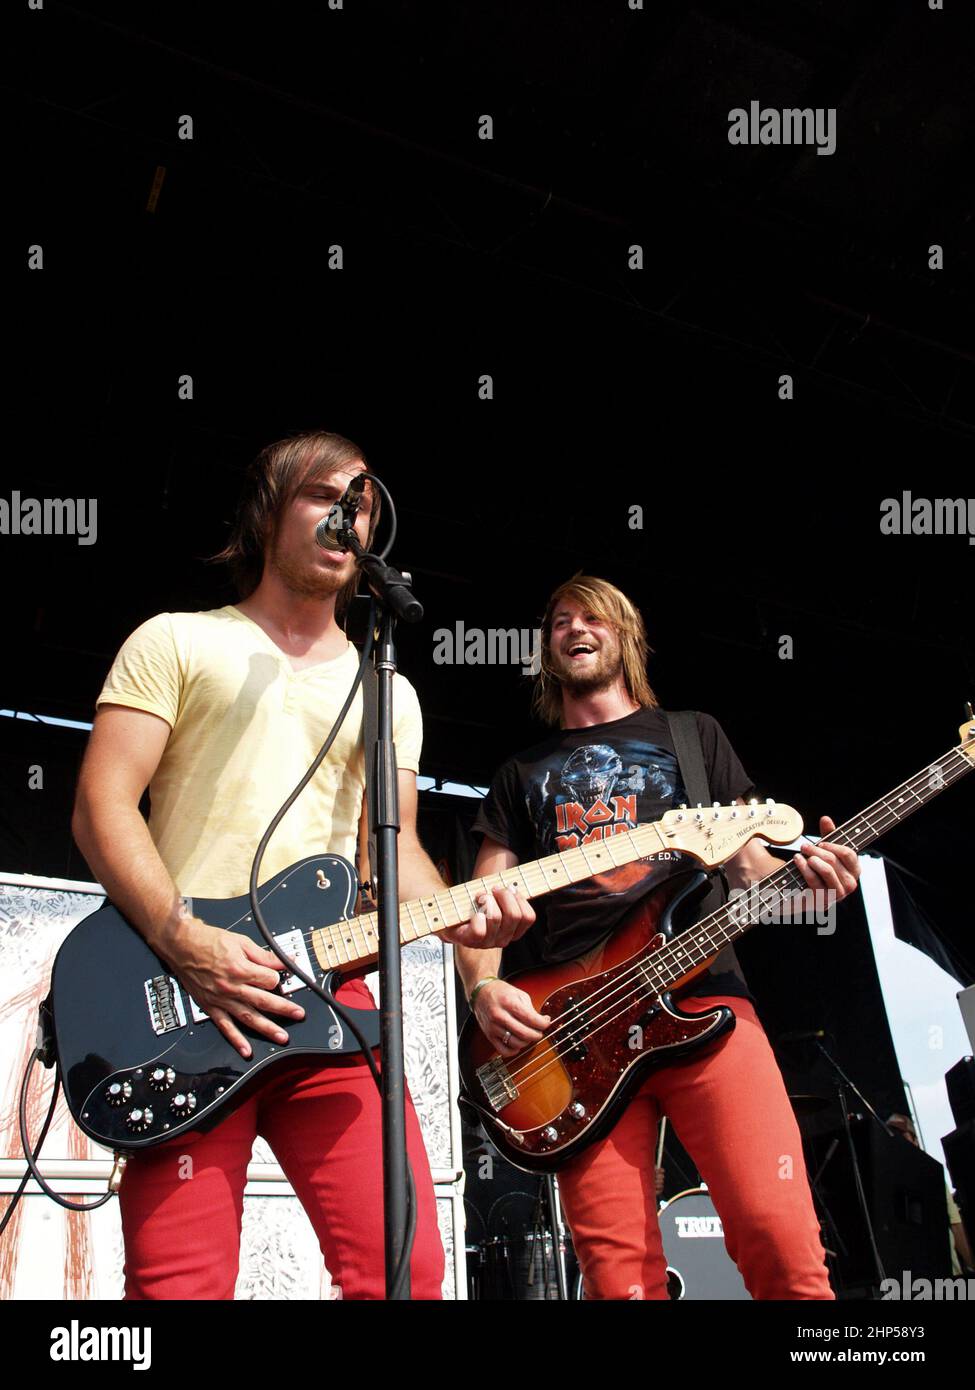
(614,1012)
(140,1062)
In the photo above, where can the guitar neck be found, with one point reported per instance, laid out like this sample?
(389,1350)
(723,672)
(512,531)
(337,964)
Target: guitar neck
(702,942)
(354,942)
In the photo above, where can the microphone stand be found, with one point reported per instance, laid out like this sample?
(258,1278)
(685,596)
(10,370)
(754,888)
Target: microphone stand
(844,1082)
(394,598)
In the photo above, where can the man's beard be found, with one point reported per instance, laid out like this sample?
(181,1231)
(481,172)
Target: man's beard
(307,581)
(603,674)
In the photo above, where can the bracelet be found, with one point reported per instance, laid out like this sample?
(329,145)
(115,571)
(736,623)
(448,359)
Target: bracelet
(480,985)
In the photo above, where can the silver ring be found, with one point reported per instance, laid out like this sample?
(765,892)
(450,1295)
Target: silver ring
(504,1040)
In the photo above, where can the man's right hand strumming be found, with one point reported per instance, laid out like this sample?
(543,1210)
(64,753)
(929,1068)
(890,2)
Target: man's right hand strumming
(508,1018)
(231,978)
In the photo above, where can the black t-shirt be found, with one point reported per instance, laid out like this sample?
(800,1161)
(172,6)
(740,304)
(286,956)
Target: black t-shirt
(578,786)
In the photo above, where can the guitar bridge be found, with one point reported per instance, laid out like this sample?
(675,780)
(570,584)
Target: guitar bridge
(165,1004)
(497,1084)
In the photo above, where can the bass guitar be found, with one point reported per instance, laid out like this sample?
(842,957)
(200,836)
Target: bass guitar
(614,1011)
(141,1063)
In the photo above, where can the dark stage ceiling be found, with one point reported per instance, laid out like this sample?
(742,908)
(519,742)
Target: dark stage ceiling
(613,387)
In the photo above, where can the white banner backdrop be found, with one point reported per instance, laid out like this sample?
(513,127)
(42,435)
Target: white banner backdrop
(50,1253)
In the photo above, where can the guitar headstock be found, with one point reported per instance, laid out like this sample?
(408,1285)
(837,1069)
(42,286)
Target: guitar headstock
(967,735)
(716,833)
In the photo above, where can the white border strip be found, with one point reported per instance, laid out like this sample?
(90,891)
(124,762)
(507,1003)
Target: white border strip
(69,885)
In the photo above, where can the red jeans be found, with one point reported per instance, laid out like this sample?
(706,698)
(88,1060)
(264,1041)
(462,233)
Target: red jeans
(731,1113)
(181,1219)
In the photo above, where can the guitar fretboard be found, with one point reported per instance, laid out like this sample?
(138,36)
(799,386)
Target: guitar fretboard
(354,942)
(699,944)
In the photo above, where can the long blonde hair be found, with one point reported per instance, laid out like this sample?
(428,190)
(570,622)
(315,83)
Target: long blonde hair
(610,605)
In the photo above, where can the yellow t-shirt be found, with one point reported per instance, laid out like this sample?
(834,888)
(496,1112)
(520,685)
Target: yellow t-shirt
(245,729)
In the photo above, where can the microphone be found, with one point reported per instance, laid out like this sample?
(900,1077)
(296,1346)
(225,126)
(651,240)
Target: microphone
(333,532)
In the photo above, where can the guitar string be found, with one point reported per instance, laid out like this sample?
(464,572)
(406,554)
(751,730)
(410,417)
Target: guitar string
(585,1018)
(550,1056)
(362,925)
(612,993)
(587,1023)
(762,886)
(350,924)
(771,882)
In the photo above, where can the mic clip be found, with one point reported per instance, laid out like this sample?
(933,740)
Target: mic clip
(336,530)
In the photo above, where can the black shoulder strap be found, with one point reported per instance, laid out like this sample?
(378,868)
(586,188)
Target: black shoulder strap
(694,775)
(370,736)
(690,756)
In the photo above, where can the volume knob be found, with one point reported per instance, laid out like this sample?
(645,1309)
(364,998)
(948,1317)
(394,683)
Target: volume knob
(183,1103)
(139,1120)
(119,1092)
(161,1078)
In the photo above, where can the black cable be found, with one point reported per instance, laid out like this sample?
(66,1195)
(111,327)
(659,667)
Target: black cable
(47,1124)
(323,992)
(32,1168)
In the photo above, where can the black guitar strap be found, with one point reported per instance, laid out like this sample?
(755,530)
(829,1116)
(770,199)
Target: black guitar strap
(693,773)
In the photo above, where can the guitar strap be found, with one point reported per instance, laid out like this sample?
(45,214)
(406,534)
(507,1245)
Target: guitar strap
(690,759)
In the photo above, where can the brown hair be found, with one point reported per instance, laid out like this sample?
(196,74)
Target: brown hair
(271,482)
(610,605)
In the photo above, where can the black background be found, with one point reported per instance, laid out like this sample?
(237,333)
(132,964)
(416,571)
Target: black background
(612,387)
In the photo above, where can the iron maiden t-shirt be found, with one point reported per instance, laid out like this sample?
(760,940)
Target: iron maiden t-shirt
(581,785)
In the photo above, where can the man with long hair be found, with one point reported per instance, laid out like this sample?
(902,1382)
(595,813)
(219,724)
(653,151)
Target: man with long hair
(612,764)
(219,714)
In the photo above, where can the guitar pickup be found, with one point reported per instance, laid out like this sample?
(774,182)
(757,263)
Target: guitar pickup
(165,1003)
(497,1084)
(293,944)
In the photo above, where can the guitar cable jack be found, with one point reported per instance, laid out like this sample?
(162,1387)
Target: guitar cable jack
(118,1168)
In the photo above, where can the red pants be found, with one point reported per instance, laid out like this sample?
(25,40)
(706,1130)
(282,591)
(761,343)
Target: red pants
(732,1114)
(182,1201)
